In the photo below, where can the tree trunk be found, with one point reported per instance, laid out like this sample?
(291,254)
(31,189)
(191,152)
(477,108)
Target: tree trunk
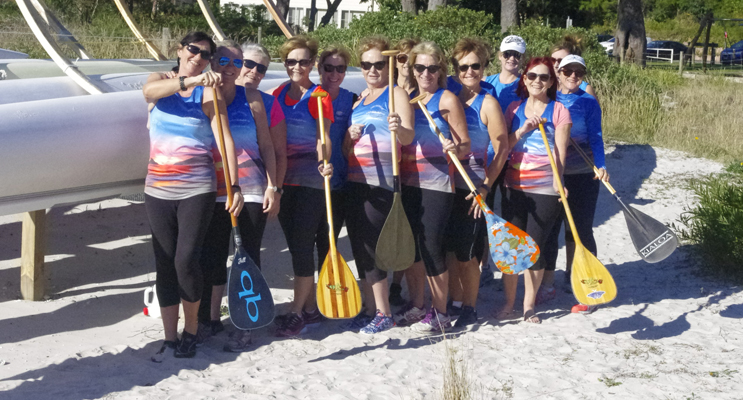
(630,43)
(508,14)
(283,7)
(154,9)
(332,7)
(313,15)
(434,4)
(409,6)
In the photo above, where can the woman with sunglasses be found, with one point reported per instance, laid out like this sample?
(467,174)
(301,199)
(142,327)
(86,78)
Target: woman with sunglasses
(580,180)
(303,201)
(570,45)
(180,188)
(404,78)
(368,145)
(532,202)
(428,186)
(465,232)
(257,171)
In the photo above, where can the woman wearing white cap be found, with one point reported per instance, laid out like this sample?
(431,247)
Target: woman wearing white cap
(579,178)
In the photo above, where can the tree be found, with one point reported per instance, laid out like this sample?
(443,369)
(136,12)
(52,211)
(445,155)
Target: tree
(332,8)
(434,4)
(313,15)
(283,7)
(630,43)
(508,14)
(409,6)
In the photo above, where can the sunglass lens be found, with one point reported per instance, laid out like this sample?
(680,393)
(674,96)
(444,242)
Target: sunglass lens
(402,58)
(223,61)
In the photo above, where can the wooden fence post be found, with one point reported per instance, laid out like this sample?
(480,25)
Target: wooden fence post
(681,63)
(33,247)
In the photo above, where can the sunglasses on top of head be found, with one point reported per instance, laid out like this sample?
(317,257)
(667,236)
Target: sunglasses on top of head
(532,76)
(464,67)
(379,65)
(432,69)
(290,62)
(250,64)
(238,63)
(205,54)
(341,69)
(579,73)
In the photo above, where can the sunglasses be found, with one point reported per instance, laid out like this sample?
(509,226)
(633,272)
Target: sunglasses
(238,63)
(379,65)
(250,64)
(510,53)
(432,69)
(557,61)
(464,68)
(205,54)
(341,69)
(290,62)
(402,58)
(533,76)
(578,73)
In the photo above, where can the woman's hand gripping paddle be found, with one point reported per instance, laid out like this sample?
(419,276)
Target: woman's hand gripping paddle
(591,281)
(396,245)
(652,239)
(511,248)
(248,295)
(338,294)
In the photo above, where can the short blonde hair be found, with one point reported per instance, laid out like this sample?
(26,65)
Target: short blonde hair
(571,44)
(299,42)
(373,42)
(333,50)
(406,45)
(471,45)
(433,50)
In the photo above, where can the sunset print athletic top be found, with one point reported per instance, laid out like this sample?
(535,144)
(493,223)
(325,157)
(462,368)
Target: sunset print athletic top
(342,107)
(181,140)
(479,141)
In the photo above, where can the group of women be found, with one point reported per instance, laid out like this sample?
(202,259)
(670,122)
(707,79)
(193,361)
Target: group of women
(274,151)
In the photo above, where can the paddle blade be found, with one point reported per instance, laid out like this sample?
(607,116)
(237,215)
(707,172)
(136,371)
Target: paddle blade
(653,240)
(248,297)
(338,294)
(511,249)
(396,245)
(591,281)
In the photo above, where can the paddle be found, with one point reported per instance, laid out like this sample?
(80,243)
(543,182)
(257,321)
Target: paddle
(511,248)
(396,245)
(591,281)
(653,240)
(338,294)
(249,298)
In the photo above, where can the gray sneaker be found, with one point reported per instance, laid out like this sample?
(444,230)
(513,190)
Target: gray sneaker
(238,342)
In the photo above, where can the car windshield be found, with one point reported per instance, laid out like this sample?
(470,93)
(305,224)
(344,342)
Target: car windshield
(738,46)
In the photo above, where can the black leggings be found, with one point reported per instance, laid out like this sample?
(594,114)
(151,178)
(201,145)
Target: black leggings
(428,213)
(302,212)
(583,193)
(339,197)
(178,230)
(533,213)
(252,223)
(465,235)
(368,207)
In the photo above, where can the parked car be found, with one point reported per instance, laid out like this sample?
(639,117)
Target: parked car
(608,44)
(665,50)
(732,54)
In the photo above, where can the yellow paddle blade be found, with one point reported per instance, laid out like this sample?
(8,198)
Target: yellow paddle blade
(338,294)
(592,283)
(396,244)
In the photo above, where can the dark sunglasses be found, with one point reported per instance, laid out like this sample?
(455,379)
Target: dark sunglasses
(238,63)
(464,68)
(533,76)
(578,73)
(205,54)
(402,58)
(341,69)
(290,62)
(432,69)
(250,64)
(557,61)
(379,65)
(510,53)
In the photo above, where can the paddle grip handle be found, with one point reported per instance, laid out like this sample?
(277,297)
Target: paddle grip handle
(590,163)
(225,161)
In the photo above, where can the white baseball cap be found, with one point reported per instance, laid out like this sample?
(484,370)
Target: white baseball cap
(572,59)
(513,42)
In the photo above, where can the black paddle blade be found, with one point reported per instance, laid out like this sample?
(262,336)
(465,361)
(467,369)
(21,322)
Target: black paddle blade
(248,297)
(653,240)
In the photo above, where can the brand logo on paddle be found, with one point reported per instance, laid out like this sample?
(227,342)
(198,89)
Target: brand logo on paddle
(241,260)
(592,281)
(656,244)
(597,294)
(249,292)
(337,288)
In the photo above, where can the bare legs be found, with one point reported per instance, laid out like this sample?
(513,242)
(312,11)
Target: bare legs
(304,294)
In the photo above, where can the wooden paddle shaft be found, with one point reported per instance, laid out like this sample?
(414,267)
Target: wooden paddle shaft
(391,91)
(589,162)
(560,188)
(225,161)
(328,201)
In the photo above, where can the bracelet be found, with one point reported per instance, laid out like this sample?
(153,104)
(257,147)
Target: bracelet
(182,81)
(237,188)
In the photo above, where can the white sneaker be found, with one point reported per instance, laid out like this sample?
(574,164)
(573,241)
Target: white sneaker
(409,315)
(433,322)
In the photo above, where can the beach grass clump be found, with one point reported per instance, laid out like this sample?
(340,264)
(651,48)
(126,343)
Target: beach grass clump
(456,381)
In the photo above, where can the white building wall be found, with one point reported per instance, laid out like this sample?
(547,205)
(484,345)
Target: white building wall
(299,9)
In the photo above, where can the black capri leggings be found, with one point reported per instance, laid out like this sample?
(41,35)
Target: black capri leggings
(178,229)
(465,235)
(368,207)
(302,212)
(533,213)
(428,213)
(339,197)
(583,194)
(252,223)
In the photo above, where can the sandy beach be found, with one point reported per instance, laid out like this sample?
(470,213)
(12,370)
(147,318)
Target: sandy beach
(671,333)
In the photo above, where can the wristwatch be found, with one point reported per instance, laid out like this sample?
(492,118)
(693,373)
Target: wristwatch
(277,189)
(182,81)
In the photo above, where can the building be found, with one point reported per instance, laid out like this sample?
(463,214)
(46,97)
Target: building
(299,11)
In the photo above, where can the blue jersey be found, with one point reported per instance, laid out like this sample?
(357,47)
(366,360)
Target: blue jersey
(342,108)
(479,141)
(586,131)
(505,93)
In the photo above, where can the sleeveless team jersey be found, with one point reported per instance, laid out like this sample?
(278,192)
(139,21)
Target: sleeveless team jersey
(424,164)
(370,160)
(301,142)
(251,170)
(479,141)
(586,131)
(342,108)
(455,87)
(181,140)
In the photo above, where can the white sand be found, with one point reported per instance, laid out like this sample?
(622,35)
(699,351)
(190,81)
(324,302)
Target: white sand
(664,337)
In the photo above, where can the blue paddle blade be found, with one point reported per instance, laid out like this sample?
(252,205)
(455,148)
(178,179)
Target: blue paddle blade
(511,249)
(248,297)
